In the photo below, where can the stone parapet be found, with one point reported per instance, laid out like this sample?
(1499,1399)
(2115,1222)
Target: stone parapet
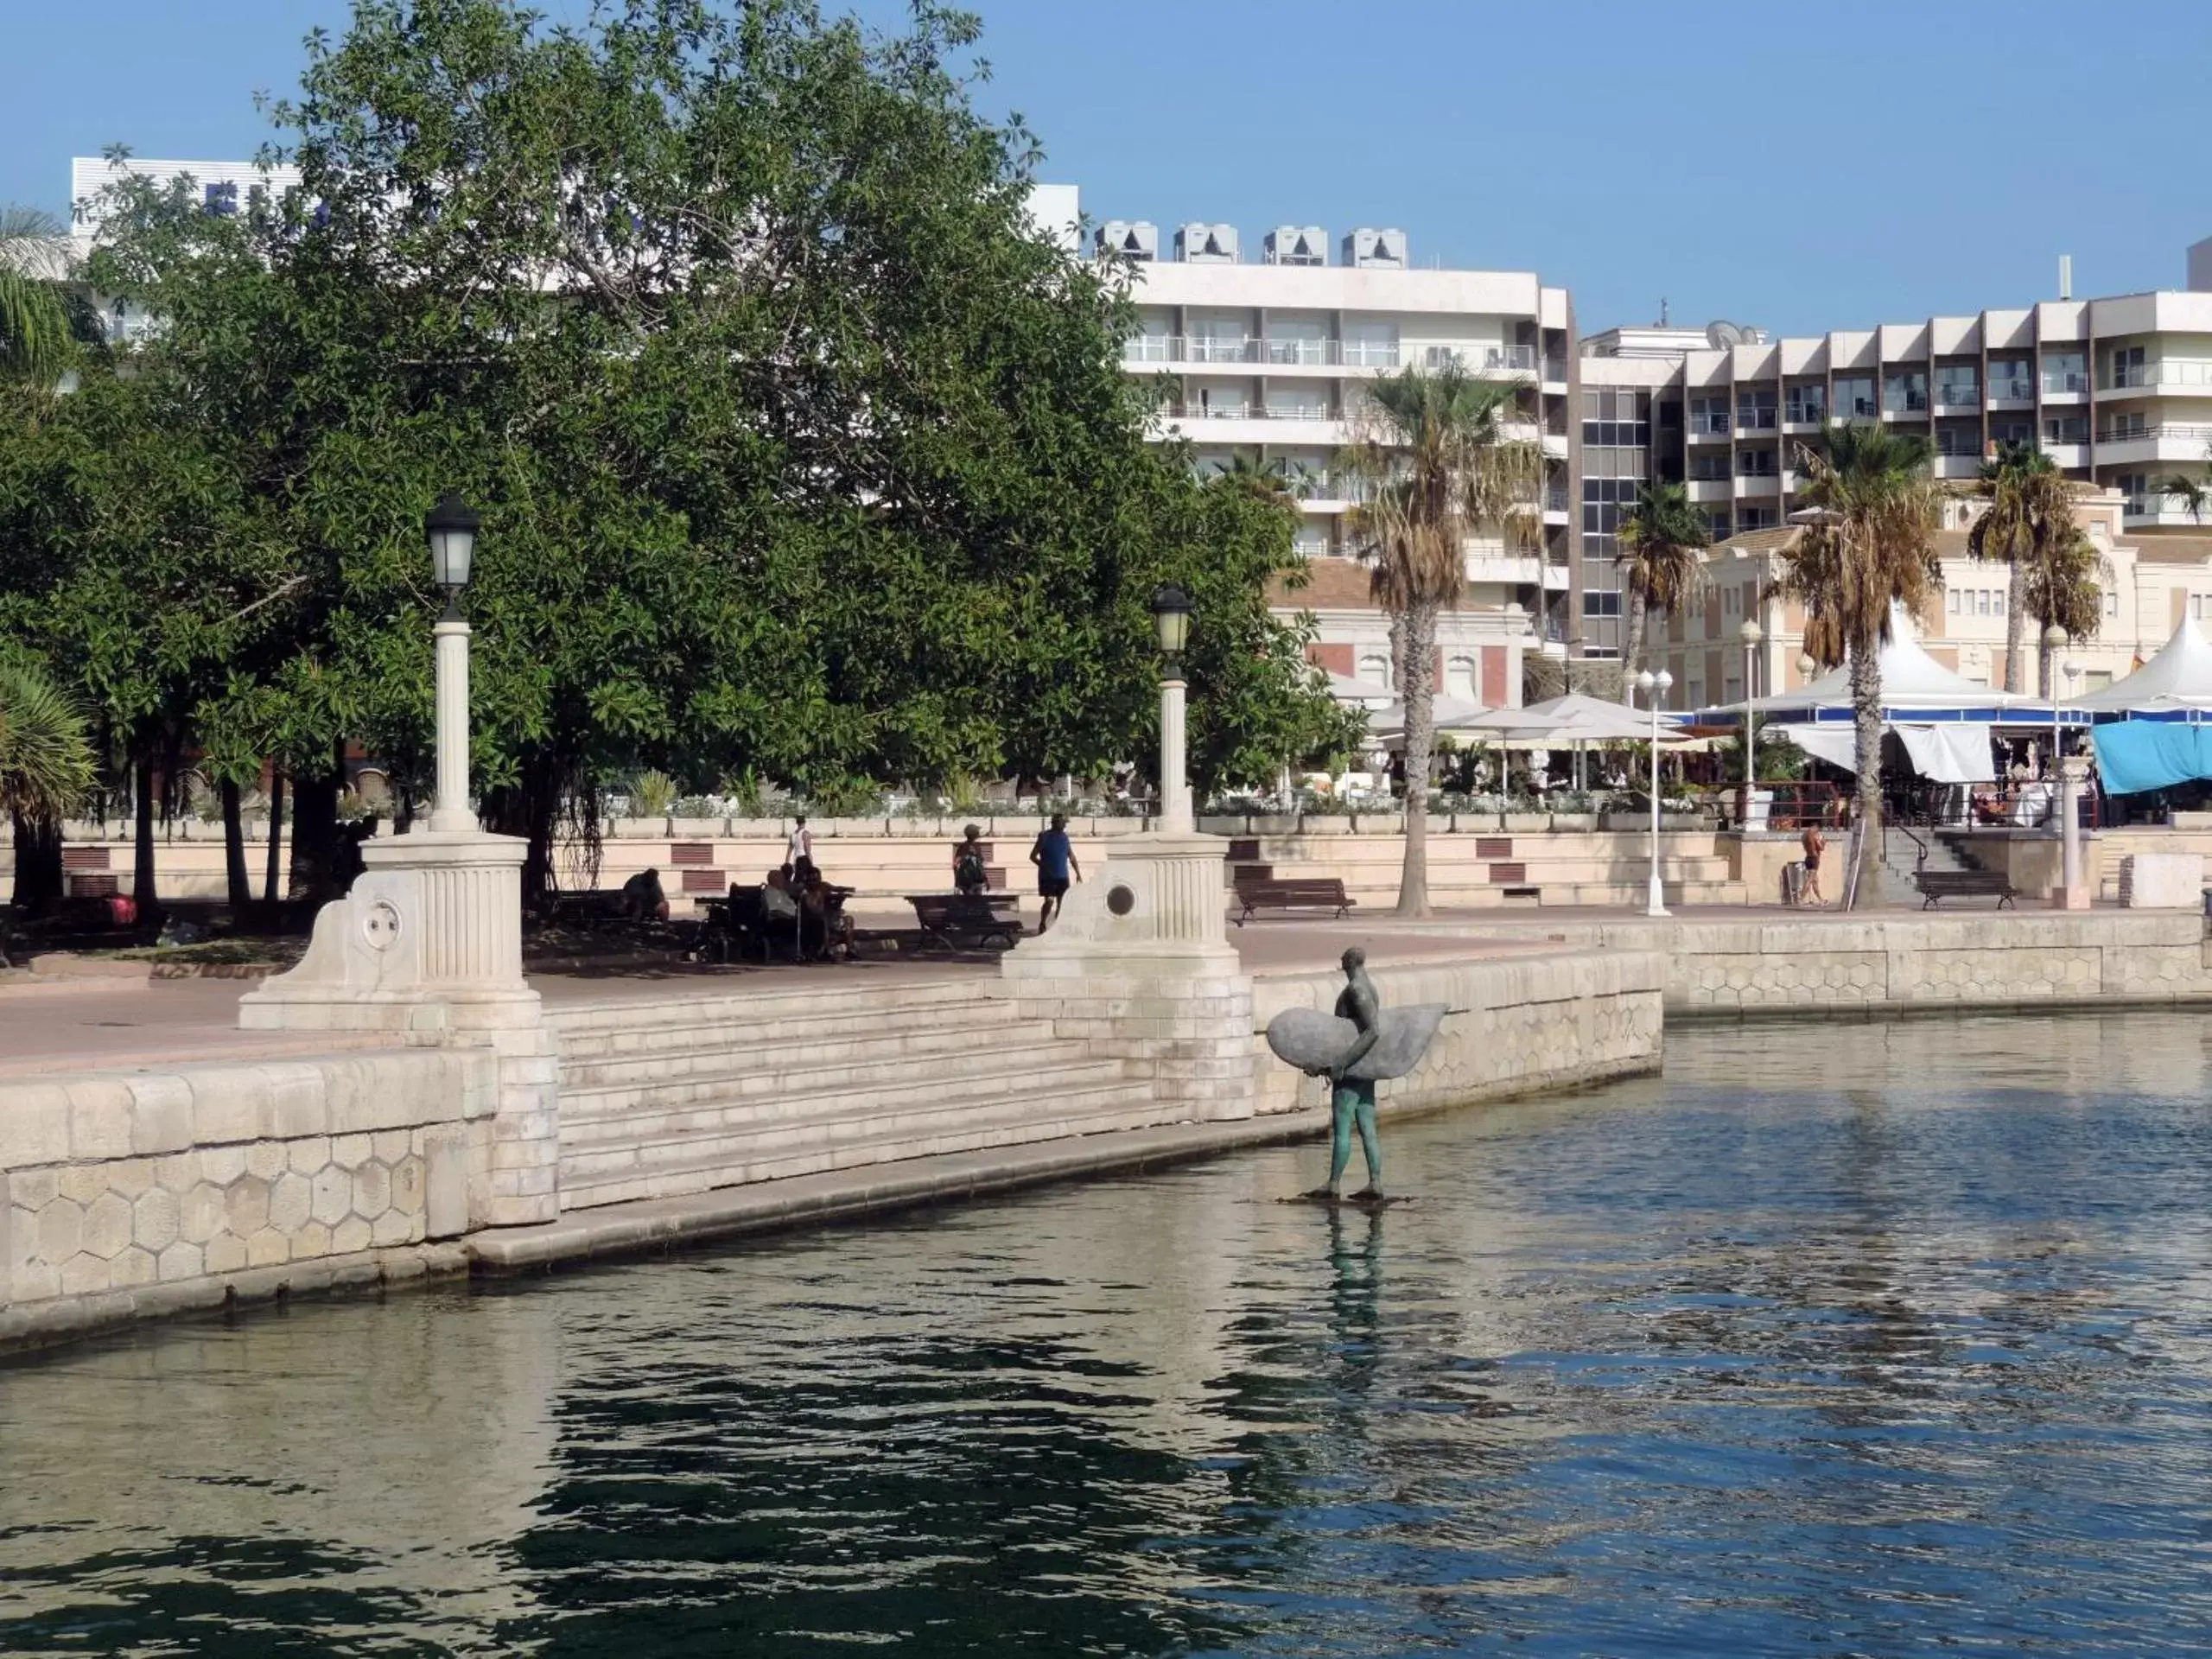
(1516,1025)
(113,1183)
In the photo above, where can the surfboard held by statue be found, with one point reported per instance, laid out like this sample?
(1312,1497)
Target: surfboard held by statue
(1315,1041)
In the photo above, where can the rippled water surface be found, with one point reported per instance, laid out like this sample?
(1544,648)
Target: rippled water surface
(1839,1339)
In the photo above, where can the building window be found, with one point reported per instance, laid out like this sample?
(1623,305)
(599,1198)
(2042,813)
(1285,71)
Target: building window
(1958,383)
(220,200)
(1375,671)
(2011,379)
(1904,391)
(1706,466)
(1718,522)
(2136,486)
(2127,368)
(1754,463)
(1807,405)
(1758,517)
(2065,372)
(2066,428)
(1460,681)
(1854,396)
(1755,408)
(1597,604)
(1710,415)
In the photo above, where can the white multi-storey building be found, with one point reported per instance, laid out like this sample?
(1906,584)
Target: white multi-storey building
(1267,361)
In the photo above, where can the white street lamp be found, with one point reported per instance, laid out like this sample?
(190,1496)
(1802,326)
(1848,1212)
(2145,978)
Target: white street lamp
(1753,636)
(1171,620)
(451,530)
(1656,687)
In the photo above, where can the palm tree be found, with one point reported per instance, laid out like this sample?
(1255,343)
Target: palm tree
(1662,542)
(2030,517)
(1868,549)
(2195,494)
(1439,467)
(46,767)
(34,314)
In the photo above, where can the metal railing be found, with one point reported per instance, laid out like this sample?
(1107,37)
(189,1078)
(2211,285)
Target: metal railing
(2167,371)
(2187,431)
(1958,393)
(1758,419)
(1904,402)
(1299,352)
(1204,349)
(2065,380)
(2019,390)
(1711,425)
(1804,413)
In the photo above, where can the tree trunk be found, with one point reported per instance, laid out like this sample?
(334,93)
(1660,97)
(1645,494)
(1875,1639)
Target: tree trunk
(145,891)
(314,838)
(1632,643)
(530,810)
(235,880)
(39,881)
(270,894)
(1417,688)
(1866,719)
(2015,623)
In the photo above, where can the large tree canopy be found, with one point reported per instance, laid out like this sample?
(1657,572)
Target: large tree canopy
(800,451)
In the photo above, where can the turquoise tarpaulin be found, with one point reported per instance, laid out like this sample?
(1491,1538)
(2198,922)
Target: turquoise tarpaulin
(2134,755)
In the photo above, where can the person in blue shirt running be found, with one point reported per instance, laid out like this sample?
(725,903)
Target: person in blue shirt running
(1054,857)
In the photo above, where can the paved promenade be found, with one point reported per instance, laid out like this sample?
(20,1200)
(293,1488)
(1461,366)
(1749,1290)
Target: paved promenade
(72,1025)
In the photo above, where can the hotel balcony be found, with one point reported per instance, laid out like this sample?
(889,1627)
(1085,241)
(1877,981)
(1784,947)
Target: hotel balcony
(1159,351)
(2144,512)
(1507,569)
(2016,391)
(2165,440)
(2169,374)
(1709,428)
(1958,465)
(1758,484)
(1711,489)
(1555,512)
(2063,385)
(1248,422)
(1958,400)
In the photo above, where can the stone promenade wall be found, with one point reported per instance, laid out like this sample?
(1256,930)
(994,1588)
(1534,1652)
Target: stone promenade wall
(1519,1024)
(2002,959)
(126,1194)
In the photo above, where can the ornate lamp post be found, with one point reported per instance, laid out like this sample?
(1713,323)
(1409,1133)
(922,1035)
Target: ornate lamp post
(2054,641)
(451,530)
(1171,620)
(1753,636)
(1656,687)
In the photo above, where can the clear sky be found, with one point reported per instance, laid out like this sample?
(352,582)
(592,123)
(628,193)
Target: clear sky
(1798,166)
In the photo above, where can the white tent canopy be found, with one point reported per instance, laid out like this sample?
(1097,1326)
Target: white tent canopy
(2178,679)
(1943,752)
(1913,684)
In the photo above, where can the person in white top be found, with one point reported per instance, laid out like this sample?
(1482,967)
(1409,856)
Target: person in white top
(799,853)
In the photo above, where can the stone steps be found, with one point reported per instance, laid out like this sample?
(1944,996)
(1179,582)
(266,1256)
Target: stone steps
(610,1111)
(699,1163)
(872,1042)
(820,1009)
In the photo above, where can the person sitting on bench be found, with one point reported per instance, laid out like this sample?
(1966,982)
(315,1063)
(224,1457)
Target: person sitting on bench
(779,908)
(643,900)
(823,925)
(971,873)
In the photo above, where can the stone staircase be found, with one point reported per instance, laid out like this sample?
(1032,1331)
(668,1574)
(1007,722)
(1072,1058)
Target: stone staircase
(1900,856)
(660,1099)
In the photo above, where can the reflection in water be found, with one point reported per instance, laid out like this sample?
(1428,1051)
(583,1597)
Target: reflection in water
(1841,1338)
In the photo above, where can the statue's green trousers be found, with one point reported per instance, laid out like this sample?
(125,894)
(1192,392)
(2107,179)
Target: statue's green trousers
(1353,1103)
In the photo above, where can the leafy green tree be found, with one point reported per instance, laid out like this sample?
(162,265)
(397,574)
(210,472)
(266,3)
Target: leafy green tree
(1439,468)
(798,451)
(1661,542)
(1870,553)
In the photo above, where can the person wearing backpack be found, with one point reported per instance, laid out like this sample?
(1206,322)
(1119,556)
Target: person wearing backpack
(970,871)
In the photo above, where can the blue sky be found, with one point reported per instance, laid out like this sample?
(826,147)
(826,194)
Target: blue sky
(1797,166)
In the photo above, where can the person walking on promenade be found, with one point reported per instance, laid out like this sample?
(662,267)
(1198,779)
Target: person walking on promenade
(1814,844)
(1054,857)
(799,852)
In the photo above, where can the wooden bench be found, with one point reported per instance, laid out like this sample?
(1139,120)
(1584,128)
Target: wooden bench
(1312,892)
(951,919)
(1964,884)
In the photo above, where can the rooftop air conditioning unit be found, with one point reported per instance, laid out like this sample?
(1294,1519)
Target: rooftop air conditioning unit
(1374,250)
(1297,244)
(1133,238)
(1206,244)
